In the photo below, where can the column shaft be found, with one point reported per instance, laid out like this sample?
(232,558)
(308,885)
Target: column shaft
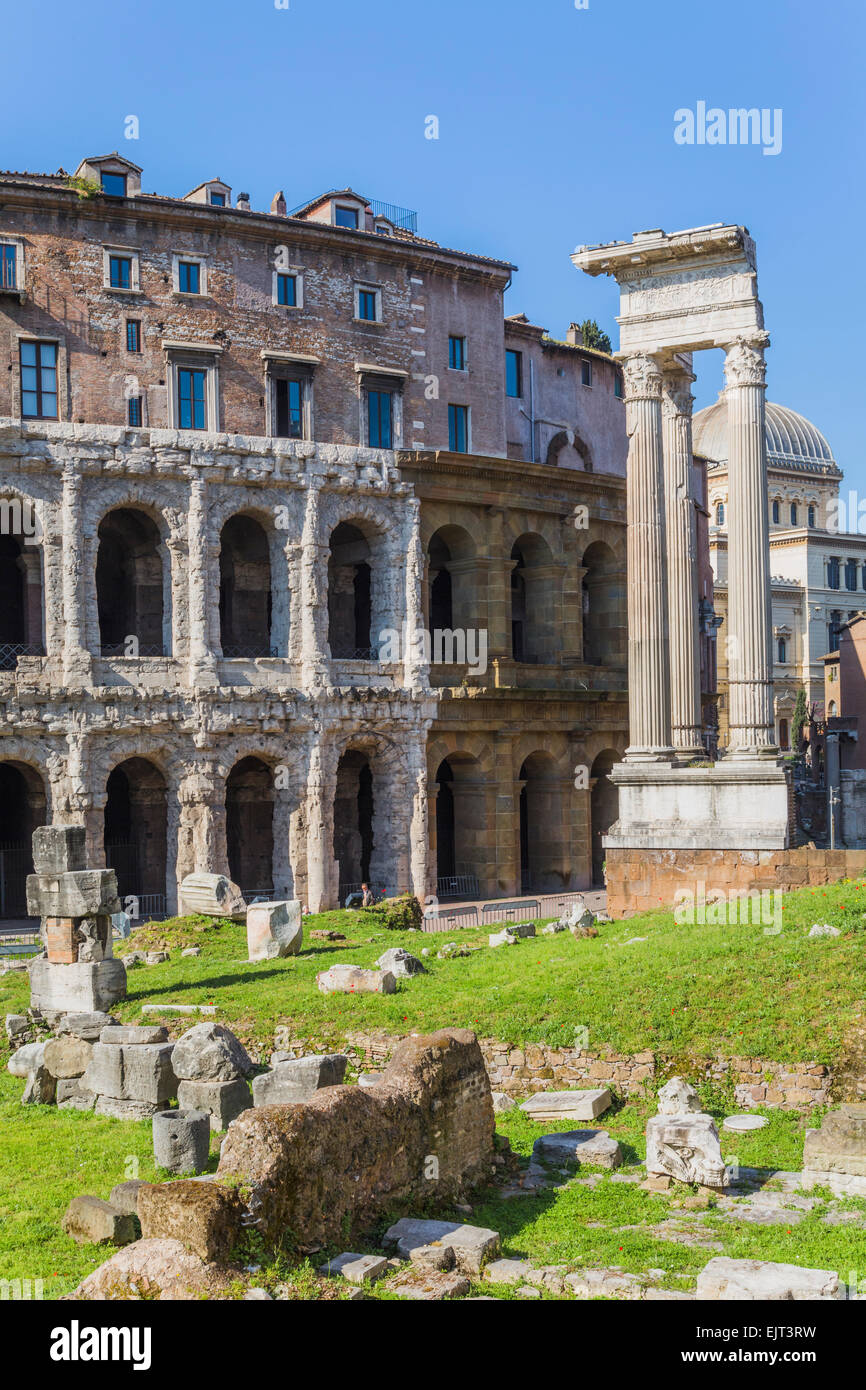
(682,566)
(76,658)
(202,664)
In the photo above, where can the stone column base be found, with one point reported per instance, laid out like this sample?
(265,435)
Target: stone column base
(665,806)
(85,987)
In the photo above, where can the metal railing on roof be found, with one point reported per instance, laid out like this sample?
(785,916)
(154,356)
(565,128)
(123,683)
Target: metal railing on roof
(404,218)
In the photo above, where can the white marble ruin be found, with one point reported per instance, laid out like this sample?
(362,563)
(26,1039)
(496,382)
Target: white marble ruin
(679,294)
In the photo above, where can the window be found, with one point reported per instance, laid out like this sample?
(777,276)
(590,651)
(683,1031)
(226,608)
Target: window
(810,515)
(346,217)
(585,372)
(367,304)
(38,380)
(188,277)
(288,408)
(120,272)
(617,385)
(133,335)
(793,513)
(513,373)
(782,651)
(8,266)
(720,513)
(114,184)
(192,398)
(835,626)
(458,429)
(833,569)
(776,512)
(863,577)
(850,574)
(217,200)
(133,411)
(380,417)
(287,290)
(457,354)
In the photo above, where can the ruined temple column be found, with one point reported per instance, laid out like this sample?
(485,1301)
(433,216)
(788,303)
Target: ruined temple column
(321,786)
(682,565)
(416,670)
(750,629)
(649,706)
(314,596)
(418,830)
(202,663)
(76,658)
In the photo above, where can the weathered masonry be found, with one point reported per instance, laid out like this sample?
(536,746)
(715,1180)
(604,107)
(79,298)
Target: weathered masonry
(245,460)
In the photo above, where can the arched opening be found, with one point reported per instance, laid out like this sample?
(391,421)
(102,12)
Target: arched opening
(462,828)
(544,860)
(567,450)
(349,594)
(784,738)
(20,601)
(22,810)
(604,808)
(129,585)
(250,827)
(353,821)
(136,833)
(603,599)
(534,601)
(245,589)
(454,601)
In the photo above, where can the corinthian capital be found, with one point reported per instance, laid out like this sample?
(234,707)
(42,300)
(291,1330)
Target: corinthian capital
(642,376)
(677,398)
(744,364)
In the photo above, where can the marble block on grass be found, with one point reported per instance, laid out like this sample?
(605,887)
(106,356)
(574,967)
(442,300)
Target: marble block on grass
(567,1105)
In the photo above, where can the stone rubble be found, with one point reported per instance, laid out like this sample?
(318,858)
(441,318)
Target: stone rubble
(567,1105)
(274,930)
(352,979)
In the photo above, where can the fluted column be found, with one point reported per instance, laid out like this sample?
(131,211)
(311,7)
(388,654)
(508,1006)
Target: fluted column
(321,784)
(750,660)
(314,594)
(202,663)
(76,658)
(419,875)
(682,565)
(649,709)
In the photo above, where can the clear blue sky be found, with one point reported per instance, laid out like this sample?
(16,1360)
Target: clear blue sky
(556,129)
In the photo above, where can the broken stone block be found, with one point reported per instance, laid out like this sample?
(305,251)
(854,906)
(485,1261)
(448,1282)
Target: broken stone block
(298,1080)
(67,1057)
(432,1287)
(116,1109)
(274,930)
(593,1146)
(402,964)
(212,895)
(678,1097)
(116,1034)
(191,951)
(72,1096)
(58,849)
(16,1025)
(210,1052)
(567,1105)
(222,1100)
(507,1271)
(502,1103)
(729,1280)
(515,931)
(685,1147)
(205,1216)
(356,1268)
(155,1269)
(26,1059)
(91,1221)
(181,1140)
(142,1072)
(352,979)
(95,938)
(40,1089)
(156,957)
(824,929)
(834,1156)
(577,917)
(473,1246)
(87,1026)
(125,1195)
(83,893)
(84,987)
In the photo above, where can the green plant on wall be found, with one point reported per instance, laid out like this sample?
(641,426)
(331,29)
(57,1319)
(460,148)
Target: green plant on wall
(85,188)
(799,718)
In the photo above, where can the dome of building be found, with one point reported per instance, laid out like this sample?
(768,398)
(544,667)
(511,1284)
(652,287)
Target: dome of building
(792,440)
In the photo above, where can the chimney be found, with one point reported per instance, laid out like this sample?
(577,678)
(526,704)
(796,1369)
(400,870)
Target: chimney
(278,204)
(574,335)
(243,203)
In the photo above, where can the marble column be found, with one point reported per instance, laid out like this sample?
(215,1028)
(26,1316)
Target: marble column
(321,785)
(314,595)
(682,565)
(750,630)
(419,871)
(202,663)
(649,704)
(76,658)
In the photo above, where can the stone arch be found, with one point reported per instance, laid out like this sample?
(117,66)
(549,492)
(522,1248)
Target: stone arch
(603,606)
(23,807)
(21,586)
(135,832)
(249,800)
(453,598)
(567,450)
(245,601)
(464,835)
(535,600)
(360,588)
(545,856)
(604,807)
(132,584)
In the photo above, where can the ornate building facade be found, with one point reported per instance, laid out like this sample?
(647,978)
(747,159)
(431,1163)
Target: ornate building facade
(312,565)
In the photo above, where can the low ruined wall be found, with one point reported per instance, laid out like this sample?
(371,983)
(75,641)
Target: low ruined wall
(648,879)
(312,1172)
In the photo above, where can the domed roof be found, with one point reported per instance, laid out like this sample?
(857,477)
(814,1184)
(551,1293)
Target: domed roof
(792,440)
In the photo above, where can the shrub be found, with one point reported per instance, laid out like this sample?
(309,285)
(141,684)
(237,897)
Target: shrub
(398,914)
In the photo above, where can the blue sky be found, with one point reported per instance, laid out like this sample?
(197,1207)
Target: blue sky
(555,129)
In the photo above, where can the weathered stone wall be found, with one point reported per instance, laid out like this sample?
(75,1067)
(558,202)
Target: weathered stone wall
(648,879)
(347,1156)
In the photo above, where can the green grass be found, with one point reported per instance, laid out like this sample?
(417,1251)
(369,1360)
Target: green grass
(684,991)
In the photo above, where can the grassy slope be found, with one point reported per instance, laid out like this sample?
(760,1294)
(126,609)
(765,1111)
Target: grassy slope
(699,990)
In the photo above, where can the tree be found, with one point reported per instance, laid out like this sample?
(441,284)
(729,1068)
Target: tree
(593,337)
(800,717)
